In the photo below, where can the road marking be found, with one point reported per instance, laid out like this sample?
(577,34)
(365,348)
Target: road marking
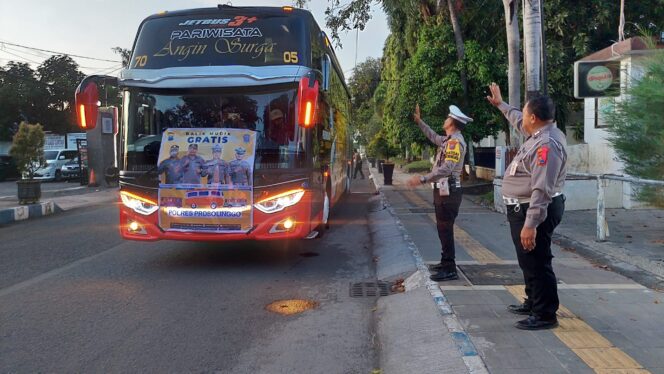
(474,248)
(27,283)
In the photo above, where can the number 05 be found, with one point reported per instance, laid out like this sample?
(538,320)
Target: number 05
(291,58)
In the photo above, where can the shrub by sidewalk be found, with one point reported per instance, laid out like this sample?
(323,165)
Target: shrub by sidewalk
(418,166)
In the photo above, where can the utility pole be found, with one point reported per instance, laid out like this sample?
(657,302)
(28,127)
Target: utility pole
(532,46)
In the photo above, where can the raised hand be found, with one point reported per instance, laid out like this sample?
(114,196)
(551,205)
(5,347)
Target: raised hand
(496,98)
(416,116)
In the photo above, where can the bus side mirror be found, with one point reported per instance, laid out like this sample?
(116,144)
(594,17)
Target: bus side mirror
(307,99)
(87,104)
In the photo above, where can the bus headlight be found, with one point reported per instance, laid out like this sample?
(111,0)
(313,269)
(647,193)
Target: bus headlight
(138,204)
(280,202)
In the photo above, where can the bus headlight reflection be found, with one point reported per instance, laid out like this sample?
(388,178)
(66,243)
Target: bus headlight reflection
(138,204)
(280,202)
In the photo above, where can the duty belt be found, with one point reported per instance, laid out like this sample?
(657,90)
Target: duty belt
(453,183)
(518,201)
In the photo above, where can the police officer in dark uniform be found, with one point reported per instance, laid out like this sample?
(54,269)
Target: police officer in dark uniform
(240,170)
(172,166)
(445,178)
(532,192)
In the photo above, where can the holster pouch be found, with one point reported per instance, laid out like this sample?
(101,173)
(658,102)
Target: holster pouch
(443,187)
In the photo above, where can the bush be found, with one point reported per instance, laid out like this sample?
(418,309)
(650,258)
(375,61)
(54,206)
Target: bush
(635,123)
(28,149)
(418,166)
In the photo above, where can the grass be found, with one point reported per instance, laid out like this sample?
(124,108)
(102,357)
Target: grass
(487,199)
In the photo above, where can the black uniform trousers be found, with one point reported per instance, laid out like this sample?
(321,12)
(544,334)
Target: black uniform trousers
(358,168)
(447,209)
(538,275)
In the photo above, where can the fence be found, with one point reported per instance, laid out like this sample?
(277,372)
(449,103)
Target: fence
(602,225)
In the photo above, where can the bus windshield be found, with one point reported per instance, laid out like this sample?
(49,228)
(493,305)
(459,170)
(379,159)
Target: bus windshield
(271,113)
(220,39)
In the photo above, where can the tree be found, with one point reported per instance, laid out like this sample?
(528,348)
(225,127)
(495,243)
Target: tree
(28,149)
(61,76)
(125,55)
(22,98)
(362,85)
(637,134)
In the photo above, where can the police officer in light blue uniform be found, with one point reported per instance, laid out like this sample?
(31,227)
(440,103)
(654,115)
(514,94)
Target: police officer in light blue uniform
(445,177)
(240,169)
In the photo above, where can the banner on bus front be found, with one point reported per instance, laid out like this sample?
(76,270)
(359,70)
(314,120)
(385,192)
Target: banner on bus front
(206,180)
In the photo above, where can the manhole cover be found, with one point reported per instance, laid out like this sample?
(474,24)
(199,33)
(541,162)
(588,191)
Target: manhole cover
(422,210)
(290,307)
(370,289)
(493,274)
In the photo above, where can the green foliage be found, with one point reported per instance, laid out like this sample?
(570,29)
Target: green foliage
(431,78)
(362,85)
(381,148)
(571,31)
(125,54)
(418,166)
(637,134)
(28,148)
(43,96)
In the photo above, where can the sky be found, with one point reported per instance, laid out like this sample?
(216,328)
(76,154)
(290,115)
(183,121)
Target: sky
(92,27)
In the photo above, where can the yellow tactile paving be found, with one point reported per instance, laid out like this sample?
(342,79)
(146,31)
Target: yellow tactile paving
(584,338)
(606,358)
(621,371)
(591,347)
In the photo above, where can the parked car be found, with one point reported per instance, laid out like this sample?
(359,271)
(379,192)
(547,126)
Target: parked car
(8,169)
(55,159)
(71,170)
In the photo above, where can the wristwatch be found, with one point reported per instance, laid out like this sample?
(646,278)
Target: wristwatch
(423,179)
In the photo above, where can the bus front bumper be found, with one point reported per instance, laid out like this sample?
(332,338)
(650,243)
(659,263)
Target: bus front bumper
(135,226)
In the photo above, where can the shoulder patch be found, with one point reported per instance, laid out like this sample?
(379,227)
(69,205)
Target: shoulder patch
(542,155)
(453,151)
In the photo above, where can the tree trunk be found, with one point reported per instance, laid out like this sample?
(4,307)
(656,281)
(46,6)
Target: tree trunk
(461,50)
(514,71)
(532,41)
(461,54)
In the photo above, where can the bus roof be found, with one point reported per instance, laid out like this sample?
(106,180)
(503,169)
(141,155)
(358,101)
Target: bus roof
(251,10)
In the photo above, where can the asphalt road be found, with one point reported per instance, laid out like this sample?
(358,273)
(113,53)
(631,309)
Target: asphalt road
(74,297)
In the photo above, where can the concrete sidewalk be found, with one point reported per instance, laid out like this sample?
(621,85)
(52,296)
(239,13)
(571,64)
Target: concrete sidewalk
(11,211)
(608,322)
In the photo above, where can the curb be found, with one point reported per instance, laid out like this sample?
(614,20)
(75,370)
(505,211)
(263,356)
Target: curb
(633,267)
(24,212)
(469,353)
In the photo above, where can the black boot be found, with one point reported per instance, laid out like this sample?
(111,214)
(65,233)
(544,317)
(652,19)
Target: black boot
(521,309)
(536,323)
(444,275)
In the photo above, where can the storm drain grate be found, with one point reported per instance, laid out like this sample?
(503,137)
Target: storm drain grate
(370,289)
(422,210)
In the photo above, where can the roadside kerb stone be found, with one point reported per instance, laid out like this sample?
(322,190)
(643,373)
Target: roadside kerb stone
(55,205)
(23,212)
